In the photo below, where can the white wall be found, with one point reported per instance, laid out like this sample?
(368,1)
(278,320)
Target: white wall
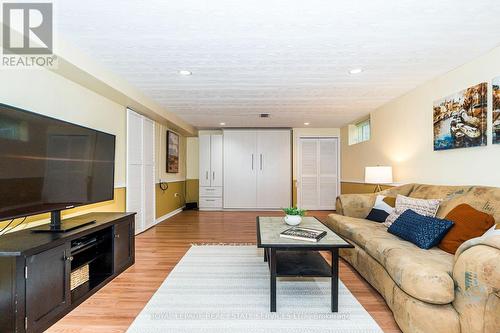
(47,93)
(192,158)
(402,135)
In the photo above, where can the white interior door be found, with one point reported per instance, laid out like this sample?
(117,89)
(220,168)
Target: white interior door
(328,178)
(141,170)
(135,174)
(273,169)
(240,169)
(148,131)
(318,173)
(216,160)
(204,163)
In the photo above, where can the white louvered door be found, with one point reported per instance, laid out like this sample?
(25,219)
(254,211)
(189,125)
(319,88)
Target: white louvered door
(140,170)
(134,168)
(318,173)
(148,133)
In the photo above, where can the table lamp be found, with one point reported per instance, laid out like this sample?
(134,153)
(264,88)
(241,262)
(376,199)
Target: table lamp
(378,175)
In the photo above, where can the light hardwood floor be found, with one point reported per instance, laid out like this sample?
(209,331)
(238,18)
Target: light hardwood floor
(113,308)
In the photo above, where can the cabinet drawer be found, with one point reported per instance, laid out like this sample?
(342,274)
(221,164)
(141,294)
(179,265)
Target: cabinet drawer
(210,202)
(210,191)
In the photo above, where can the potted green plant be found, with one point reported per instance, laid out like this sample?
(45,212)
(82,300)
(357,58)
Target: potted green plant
(294,215)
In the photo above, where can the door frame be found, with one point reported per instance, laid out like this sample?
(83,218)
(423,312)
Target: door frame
(298,160)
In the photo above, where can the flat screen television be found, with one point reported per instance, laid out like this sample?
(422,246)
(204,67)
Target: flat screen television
(48,165)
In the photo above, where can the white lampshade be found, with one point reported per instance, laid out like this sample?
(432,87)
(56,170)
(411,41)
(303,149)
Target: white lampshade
(378,175)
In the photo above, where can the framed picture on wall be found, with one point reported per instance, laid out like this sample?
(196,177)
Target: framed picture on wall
(460,120)
(496,110)
(172,152)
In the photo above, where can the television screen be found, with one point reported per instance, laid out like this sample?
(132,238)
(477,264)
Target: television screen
(48,164)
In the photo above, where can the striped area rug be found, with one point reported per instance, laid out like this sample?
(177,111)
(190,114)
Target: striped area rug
(226,289)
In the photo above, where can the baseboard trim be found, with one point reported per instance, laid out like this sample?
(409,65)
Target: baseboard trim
(169,215)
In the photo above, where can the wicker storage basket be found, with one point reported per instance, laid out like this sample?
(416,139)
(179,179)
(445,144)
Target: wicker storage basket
(79,276)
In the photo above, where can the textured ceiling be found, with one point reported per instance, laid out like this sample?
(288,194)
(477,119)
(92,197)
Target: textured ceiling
(287,58)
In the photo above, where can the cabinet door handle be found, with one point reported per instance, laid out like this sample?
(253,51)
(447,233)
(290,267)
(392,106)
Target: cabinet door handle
(117,236)
(261,162)
(206,176)
(70,258)
(252,161)
(213,175)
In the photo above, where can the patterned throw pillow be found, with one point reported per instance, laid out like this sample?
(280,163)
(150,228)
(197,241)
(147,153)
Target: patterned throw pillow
(420,206)
(423,231)
(382,208)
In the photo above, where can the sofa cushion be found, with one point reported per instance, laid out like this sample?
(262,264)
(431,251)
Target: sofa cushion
(484,199)
(423,274)
(423,231)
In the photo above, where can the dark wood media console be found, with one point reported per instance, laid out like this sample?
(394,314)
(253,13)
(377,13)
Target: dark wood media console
(35,269)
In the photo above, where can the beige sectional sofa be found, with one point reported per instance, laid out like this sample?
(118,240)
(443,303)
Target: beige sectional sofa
(428,291)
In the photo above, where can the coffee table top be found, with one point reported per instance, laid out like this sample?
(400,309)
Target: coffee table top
(269,229)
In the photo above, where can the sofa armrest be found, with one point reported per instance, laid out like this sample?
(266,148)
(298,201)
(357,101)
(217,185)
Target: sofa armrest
(477,285)
(355,205)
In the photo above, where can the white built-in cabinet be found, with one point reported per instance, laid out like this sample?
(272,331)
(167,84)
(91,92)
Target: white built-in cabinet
(257,169)
(141,170)
(210,168)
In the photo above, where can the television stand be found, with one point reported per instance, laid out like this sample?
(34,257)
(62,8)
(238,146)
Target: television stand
(57,225)
(45,276)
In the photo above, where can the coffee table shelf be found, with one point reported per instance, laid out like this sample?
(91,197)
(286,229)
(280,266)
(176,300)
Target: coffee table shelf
(301,264)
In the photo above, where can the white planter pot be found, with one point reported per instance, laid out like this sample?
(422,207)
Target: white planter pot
(293,219)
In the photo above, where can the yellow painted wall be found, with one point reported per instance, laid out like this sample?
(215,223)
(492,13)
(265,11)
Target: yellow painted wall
(166,201)
(192,190)
(350,188)
(115,205)
(402,135)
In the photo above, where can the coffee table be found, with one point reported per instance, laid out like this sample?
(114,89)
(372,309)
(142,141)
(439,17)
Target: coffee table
(297,258)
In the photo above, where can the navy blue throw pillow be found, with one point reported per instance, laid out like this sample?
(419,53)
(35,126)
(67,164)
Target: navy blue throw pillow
(423,231)
(377,215)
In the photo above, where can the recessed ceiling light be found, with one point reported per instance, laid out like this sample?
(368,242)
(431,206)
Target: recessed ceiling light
(355,71)
(223,124)
(307,124)
(185,72)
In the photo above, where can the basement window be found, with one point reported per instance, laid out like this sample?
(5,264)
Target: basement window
(360,132)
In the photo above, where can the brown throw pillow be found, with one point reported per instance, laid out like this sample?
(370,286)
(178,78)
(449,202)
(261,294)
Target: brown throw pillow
(469,223)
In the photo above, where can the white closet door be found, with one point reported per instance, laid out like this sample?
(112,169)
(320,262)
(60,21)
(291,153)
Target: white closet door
(216,160)
(308,173)
(273,169)
(135,174)
(204,148)
(318,172)
(148,131)
(328,173)
(240,169)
